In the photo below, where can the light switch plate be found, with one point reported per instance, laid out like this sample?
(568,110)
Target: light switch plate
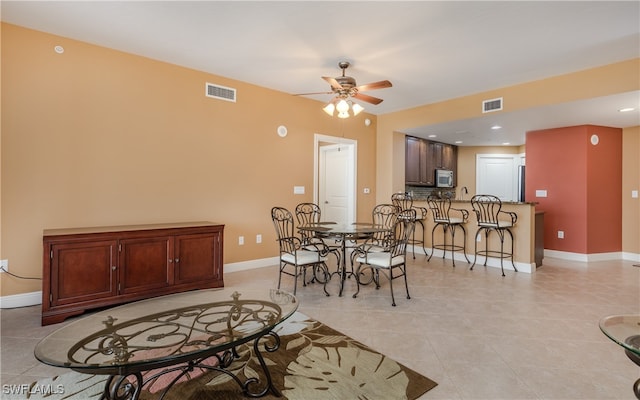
(298,190)
(634,194)
(541,193)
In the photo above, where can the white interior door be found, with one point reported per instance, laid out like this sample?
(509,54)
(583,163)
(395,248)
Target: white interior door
(496,174)
(336,181)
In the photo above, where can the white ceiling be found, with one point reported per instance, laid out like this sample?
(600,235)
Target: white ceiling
(431,51)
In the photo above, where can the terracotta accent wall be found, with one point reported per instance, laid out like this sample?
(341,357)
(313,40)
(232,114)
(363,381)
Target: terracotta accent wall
(583,184)
(96,137)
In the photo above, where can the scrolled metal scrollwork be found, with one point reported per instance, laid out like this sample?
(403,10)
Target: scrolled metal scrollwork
(183,335)
(121,387)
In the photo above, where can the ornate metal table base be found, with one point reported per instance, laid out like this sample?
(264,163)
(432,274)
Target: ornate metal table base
(634,341)
(120,387)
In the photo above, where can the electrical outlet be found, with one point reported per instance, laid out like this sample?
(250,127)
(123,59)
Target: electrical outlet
(560,234)
(240,240)
(4,264)
(258,238)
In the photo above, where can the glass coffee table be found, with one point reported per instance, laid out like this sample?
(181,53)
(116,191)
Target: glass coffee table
(178,332)
(625,331)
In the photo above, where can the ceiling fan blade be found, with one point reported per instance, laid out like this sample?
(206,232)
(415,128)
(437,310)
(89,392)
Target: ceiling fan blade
(367,98)
(308,94)
(333,82)
(374,85)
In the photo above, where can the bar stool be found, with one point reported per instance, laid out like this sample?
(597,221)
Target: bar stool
(404,200)
(491,218)
(450,219)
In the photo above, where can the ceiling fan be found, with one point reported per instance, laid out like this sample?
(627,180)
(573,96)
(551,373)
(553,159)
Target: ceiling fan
(345,88)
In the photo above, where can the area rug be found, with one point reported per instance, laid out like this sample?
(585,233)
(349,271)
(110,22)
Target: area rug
(314,361)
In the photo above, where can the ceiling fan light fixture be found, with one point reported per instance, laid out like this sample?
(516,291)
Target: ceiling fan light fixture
(342,106)
(343,114)
(357,109)
(329,109)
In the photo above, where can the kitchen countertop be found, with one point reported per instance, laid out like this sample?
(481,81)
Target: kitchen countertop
(531,203)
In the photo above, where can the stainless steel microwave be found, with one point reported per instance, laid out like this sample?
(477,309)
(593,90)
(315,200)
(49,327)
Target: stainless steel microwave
(444,178)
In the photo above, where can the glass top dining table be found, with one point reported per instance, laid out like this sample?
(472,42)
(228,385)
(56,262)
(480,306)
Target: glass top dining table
(344,232)
(625,331)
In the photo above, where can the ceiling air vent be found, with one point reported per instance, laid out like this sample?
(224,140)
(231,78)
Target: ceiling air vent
(220,92)
(492,105)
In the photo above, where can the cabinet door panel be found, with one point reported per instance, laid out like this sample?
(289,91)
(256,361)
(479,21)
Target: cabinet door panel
(414,156)
(145,264)
(198,257)
(82,271)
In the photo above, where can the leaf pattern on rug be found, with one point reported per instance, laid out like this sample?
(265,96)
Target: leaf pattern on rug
(340,370)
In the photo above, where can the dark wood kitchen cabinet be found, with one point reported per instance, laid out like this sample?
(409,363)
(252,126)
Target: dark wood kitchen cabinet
(86,268)
(416,163)
(423,157)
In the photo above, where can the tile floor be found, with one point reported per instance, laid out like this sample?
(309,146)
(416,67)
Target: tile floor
(479,335)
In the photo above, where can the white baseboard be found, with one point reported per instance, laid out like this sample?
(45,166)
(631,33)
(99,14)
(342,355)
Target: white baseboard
(251,264)
(21,300)
(635,257)
(565,255)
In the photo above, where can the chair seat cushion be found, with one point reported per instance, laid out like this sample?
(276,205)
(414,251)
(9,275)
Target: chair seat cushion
(304,257)
(449,221)
(380,260)
(500,224)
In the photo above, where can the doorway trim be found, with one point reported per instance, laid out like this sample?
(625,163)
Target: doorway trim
(353,145)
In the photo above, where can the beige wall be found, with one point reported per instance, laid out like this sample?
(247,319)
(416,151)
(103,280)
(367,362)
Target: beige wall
(630,182)
(98,137)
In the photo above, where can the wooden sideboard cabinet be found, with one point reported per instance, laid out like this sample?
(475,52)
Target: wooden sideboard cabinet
(85,268)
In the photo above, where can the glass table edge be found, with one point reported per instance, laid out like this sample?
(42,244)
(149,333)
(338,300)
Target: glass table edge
(621,342)
(144,365)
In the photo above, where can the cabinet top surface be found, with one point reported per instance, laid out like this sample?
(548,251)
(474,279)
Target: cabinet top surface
(124,228)
(139,337)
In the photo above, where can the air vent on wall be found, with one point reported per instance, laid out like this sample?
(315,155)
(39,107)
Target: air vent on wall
(220,92)
(492,105)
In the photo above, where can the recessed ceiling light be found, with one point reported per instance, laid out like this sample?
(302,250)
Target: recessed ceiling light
(458,141)
(432,136)
(626,109)
(496,127)
(506,144)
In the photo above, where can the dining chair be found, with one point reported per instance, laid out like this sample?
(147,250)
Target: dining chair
(391,260)
(491,218)
(404,200)
(450,220)
(294,256)
(310,213)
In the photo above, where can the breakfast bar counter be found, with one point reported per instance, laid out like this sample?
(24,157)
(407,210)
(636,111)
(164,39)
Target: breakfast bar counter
(527,250)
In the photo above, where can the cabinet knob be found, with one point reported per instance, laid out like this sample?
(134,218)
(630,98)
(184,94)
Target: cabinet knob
(113,267)
(170,261)
(177,260)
